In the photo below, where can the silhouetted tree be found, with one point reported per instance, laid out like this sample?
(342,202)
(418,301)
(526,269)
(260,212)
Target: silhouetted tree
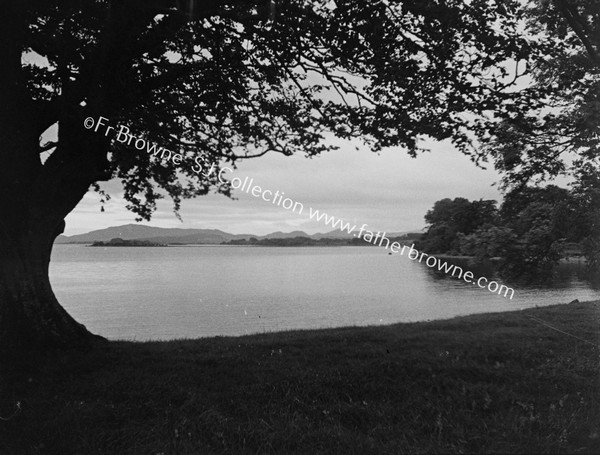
(539,237)
(535,223)
(557,132)
(215,82)
(586,216)
(450,220)
(487,242)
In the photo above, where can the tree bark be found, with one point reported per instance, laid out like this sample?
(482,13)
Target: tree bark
(30,315)
(34,200)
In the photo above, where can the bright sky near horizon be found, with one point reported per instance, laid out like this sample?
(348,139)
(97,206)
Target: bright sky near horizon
(389,191)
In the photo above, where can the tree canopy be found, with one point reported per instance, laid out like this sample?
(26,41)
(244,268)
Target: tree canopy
(239,79)
(530,231)
(448,219)
(556,132)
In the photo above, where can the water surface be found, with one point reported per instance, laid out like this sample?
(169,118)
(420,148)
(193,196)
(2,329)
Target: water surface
(196,291)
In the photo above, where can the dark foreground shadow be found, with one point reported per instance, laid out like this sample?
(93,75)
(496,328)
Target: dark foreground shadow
(484,383)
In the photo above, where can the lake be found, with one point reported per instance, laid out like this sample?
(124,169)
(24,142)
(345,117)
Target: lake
(198,291)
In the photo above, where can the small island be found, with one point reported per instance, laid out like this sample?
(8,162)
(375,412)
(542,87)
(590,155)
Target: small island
(121,242)
(405,239)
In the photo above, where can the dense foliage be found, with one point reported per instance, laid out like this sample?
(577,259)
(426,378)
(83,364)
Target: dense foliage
(556,130)
(229,80)
(532,230)
(237,80)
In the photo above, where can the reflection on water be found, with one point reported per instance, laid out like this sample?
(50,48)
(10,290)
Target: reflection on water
(571,274)
(174,292)
(575,272)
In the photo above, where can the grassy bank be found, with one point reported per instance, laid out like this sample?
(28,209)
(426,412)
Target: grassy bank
(484,383)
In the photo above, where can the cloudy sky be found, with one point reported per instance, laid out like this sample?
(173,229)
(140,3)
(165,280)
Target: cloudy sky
(389,191)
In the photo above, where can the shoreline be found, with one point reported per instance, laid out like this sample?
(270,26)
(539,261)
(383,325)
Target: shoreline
(276,332)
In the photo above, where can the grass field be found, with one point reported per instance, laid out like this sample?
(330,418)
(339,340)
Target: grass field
(499,382)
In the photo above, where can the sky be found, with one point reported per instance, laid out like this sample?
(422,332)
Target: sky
(389,191)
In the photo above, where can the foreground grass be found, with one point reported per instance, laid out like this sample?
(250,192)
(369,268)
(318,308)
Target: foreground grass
(484,383)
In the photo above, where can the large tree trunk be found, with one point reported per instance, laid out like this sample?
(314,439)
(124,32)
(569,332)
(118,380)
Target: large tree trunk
(35,198)
(30,315)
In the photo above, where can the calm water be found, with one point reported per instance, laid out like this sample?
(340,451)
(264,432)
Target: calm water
(174,292)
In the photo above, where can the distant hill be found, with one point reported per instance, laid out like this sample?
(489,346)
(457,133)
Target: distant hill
(190,236)
(153,234)
(120,243)
(205,237)
(337,234)
(283,235)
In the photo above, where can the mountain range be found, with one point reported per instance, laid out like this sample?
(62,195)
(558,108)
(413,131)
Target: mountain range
(190,236)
